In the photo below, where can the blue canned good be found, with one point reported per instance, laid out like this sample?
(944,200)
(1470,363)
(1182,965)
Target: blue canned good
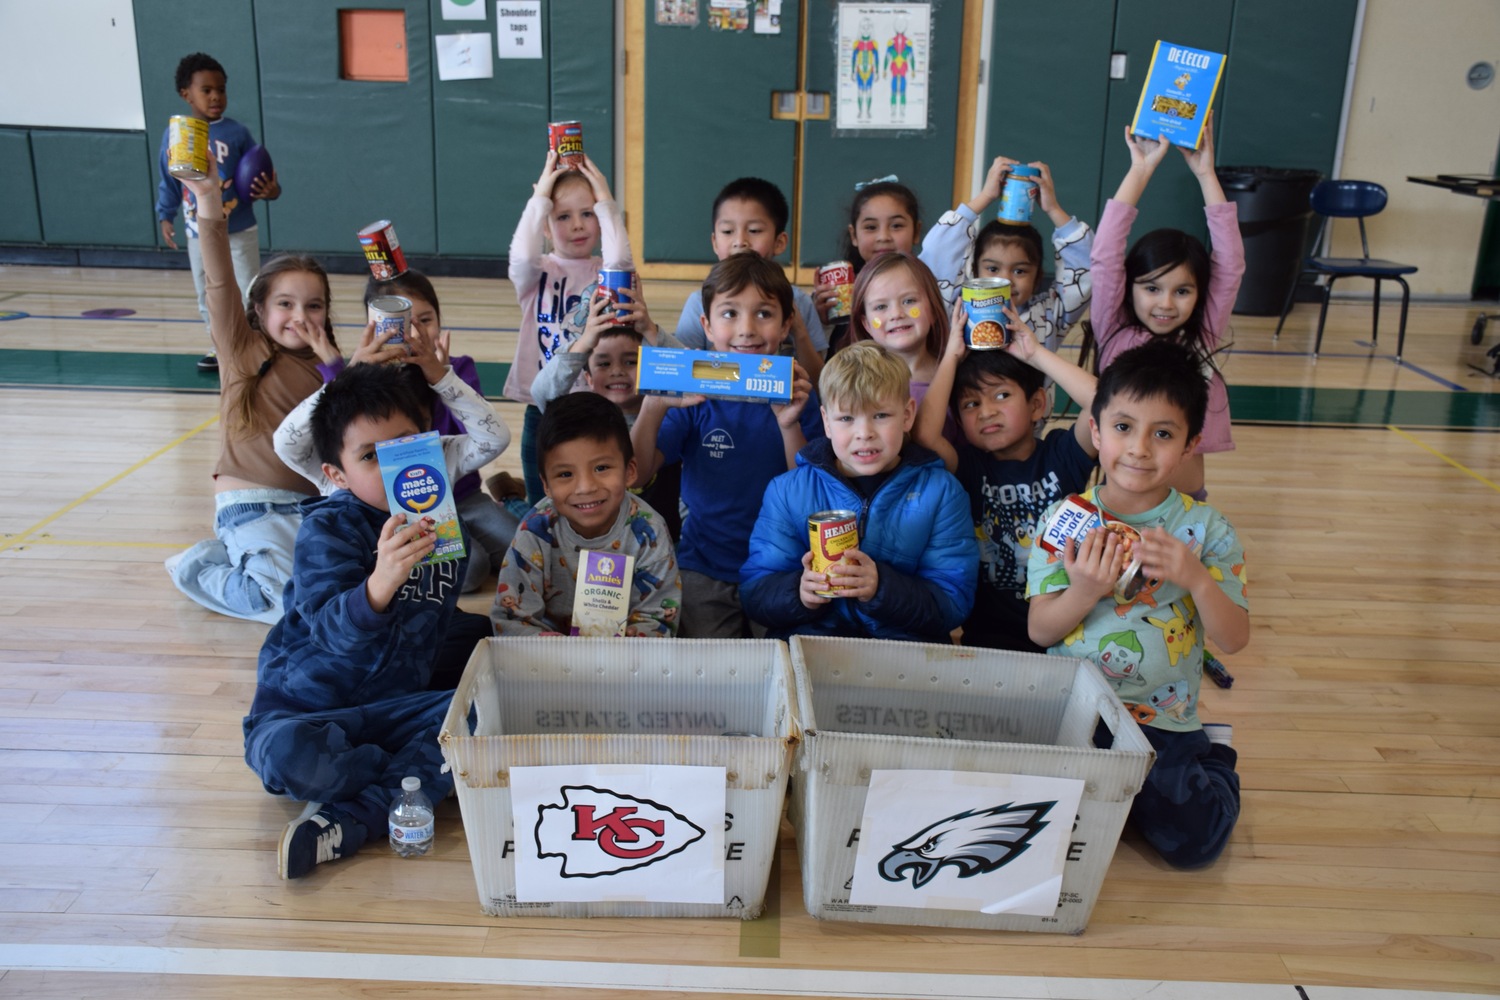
(392,313)
(1019,196)
(617,285)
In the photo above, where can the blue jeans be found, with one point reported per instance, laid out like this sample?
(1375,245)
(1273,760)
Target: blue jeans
(244,251)
(242,571)
(531,469)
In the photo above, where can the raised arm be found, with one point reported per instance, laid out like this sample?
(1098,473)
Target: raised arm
(932,415)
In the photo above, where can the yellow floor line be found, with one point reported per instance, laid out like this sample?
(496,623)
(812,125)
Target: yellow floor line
(15,539)
(1457,465)
(45,539)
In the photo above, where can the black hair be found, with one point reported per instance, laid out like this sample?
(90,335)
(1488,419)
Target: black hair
(196,63)
(1027,237)
(613,331)
(371,391)
(765,194)
(979,365)
(1158,251)
(581,416)
(1160,369)
(408,284)
(862,196)
(747,267)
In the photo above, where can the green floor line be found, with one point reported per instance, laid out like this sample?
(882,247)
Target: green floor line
(1248,403)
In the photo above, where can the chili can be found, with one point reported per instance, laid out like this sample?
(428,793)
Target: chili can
(984,301)
(840,275)
(392,313)
(382,250)
(566,140)
(830,534)
(187,147)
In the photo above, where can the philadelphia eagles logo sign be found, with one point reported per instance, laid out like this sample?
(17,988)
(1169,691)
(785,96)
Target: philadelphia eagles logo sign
(973,842)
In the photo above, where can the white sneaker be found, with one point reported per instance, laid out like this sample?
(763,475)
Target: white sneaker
(1219,732)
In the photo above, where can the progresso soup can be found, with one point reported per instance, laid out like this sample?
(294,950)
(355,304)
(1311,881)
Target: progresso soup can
(566,140)
(187,147)
(831,533)
(392,314)
(618,285)
(985,300)
(382,250)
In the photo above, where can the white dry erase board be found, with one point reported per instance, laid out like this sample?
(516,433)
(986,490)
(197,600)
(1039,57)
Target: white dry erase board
(94,40)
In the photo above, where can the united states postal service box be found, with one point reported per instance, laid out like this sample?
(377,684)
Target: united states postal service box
(957,787)
(622,777)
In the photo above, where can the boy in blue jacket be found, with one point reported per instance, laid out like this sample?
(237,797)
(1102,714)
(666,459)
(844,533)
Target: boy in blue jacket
(913,571)
(344,707)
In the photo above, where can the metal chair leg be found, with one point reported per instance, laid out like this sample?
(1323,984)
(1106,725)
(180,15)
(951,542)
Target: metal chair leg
(1375,328)
(1287,306)
(1401,330)
(1323,316)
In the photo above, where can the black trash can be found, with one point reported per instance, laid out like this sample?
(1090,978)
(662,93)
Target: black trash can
(1274,216)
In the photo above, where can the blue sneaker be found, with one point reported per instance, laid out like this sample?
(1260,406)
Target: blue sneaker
(319,834)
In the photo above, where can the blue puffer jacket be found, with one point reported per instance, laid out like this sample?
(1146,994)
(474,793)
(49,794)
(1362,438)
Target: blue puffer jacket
(917,528)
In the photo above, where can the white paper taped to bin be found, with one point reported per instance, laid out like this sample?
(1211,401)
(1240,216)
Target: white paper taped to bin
(608,832)
(962,840)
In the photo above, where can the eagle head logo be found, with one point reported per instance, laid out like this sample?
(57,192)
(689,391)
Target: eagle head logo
(974,842)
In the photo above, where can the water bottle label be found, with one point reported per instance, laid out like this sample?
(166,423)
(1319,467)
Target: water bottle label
(411,834)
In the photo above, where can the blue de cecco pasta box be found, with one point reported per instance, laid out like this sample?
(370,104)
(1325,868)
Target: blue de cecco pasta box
(746,378)
(1179,91)
(417,485)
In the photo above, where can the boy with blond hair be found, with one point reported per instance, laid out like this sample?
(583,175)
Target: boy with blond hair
(912,573)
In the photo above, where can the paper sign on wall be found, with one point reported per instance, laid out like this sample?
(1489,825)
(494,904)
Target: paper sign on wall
(960,840)
(464,57)
(463,10)
(518,29)
(883,65)
(607,832)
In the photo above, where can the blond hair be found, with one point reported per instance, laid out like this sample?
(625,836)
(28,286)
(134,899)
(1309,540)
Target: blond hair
(864,375)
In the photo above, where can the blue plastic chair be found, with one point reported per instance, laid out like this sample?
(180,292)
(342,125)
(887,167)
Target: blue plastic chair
(1352,200)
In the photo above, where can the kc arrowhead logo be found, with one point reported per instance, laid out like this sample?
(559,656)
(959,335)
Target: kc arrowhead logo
(598,831)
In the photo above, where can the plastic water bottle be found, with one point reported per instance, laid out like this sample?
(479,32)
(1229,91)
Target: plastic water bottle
(411,820)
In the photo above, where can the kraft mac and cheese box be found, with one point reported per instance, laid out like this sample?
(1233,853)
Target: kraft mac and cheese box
(746,378)
(601,603)
(1179,91)
(416,484)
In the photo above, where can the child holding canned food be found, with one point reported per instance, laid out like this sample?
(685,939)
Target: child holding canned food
(911,574)
(266,367)
(1148,640)
(1169,286)
(574,210)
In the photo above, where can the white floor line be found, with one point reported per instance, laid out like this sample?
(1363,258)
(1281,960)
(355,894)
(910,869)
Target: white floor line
(759,981)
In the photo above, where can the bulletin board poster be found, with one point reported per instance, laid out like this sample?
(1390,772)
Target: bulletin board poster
(677,13)
(883,52)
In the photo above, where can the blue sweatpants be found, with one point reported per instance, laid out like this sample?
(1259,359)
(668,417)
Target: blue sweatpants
(1190,800)
(353,758)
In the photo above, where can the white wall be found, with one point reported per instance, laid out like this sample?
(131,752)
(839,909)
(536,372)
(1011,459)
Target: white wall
(1413,114)
(70,64)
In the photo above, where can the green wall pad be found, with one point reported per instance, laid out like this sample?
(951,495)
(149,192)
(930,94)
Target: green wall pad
(21,221)
(92,189)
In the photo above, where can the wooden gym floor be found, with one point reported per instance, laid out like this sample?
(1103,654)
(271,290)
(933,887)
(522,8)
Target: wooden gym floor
(139,849)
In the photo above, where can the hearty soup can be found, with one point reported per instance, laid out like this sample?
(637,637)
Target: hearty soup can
(382,250)
(985,300)
(566,140)
(187,147)
(831,533)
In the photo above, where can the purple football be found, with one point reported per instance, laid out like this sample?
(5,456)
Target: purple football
(253,163)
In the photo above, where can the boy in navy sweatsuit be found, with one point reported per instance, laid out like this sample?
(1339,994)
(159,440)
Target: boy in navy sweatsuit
(343,705)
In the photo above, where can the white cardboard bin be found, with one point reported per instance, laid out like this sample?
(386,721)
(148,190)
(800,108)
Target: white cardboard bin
(869,705)
(550,701)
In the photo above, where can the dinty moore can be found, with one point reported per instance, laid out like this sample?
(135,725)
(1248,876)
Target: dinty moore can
(566,140)
(618,286)
(382,250)
(985,300)
(187,147)
(392,314)
(830,534)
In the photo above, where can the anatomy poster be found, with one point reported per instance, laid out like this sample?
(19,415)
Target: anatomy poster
(961,840)
(883,65)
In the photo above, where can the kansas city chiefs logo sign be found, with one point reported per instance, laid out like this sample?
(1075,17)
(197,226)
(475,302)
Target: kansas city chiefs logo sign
(598,831)
(973,842)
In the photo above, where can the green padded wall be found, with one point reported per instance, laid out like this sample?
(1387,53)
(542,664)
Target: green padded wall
(20,219)
(347,152)
(833,163)
(581,54)
(1284,91)
(1174,198)
(89,179)
(167,30)
(708,121)
(1049,106)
